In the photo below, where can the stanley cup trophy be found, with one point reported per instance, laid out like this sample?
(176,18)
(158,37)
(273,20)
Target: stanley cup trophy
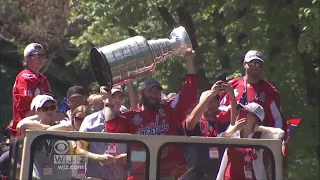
(135,57)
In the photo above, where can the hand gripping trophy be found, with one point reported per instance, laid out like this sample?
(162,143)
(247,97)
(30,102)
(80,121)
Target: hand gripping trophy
(135,57)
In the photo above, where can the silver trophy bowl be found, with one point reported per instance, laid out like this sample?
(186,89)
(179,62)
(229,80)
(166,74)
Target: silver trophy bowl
(133,58)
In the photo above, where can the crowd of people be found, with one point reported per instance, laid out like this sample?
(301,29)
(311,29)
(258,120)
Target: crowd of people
(243,107)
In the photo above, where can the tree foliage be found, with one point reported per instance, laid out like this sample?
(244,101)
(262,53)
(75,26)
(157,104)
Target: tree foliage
(45,22)
(35,20)
(286,31)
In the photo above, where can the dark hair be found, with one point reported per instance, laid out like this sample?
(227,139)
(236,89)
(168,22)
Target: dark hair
(75,91)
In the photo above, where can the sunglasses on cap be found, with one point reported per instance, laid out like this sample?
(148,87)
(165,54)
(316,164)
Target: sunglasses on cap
(48,108)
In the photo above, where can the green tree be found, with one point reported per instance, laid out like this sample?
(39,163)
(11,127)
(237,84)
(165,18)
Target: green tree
(287,31)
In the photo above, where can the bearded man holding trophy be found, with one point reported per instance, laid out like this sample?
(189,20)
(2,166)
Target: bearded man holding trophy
(134,58)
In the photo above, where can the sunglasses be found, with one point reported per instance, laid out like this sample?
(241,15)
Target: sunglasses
(38,56)
(48,108)
(78,119)
(258,64)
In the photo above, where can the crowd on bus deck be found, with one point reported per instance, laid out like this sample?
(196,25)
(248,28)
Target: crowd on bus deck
(243,107)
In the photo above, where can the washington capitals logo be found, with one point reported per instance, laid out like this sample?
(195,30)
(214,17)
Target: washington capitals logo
(155,129)
(137,119)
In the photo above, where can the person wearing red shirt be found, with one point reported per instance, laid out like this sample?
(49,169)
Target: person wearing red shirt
(155,118)
(28,84)
(251,88)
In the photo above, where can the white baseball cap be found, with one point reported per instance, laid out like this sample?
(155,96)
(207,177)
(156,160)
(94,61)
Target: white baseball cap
(253,54)
(32,48)
(116,89)
(39,100)
(255,108)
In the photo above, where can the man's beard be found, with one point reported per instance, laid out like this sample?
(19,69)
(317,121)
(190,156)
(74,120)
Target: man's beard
(150,105)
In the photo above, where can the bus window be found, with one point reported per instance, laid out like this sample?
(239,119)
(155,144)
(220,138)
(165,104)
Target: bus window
(204,161)
(57,157)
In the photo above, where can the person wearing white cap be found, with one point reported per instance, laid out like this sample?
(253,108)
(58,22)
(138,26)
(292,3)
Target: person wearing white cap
(44,107)
(117,98)
(251,88)
(247,163)
(46,149)
(28,84)
(253,64)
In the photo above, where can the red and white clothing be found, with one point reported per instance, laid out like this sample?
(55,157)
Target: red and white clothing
(26,86)
(262,93)
(245,163)
(208,128)
(204,160)
(163,121)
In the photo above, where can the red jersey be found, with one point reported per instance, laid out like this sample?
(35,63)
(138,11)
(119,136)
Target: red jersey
(163,121)
(264,94)
(26,86)
(240,164)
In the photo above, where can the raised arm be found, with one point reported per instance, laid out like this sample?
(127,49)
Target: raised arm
(198,111)
(187,97)
(110,114)
(132,96)
(189,57)
(234,111)
(114,123)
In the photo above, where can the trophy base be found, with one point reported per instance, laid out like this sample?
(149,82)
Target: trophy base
(100,68)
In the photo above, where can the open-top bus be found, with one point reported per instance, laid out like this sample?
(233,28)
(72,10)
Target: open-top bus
(23,150)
